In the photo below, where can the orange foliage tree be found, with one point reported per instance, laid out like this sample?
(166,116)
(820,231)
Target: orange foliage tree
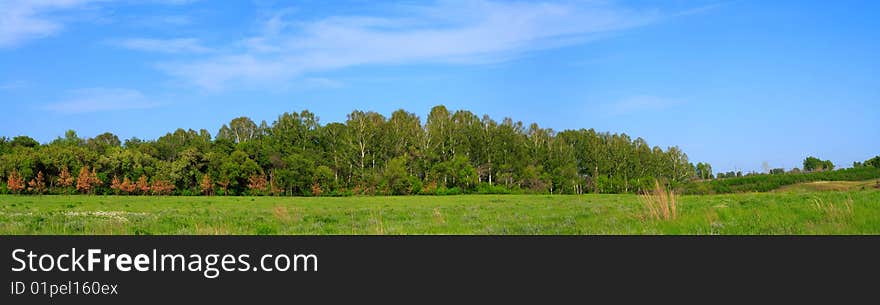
(162,187)
(116,185)
(83,183)
(15,183)
(65,180)
(38,184)
(127,186)
(316,189)
(257,183)
(94,180)
(207,185)
(142,185)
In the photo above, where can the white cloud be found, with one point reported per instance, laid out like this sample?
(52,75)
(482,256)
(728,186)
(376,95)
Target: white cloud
(178,45)
(640,103)
(463,32)
(102,99)
(22,20)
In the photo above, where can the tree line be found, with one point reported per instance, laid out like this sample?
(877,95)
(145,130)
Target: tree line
(450,153)
(814,169)
(769,182)
(811,164)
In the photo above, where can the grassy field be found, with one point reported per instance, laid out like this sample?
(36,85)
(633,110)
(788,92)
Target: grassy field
(848,212)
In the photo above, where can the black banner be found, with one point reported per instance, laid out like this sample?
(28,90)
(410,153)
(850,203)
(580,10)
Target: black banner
(418,269)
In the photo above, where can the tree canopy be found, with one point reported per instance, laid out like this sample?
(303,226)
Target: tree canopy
(450,152)
(815,164)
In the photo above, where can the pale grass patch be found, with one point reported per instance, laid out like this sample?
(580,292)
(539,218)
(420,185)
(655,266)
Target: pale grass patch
(287,216)
(113,215)
(281,213)
(14,214)
(211,230)
(438,216)
(376,221)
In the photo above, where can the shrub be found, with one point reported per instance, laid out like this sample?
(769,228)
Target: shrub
(486,188)
(341,193)
(316,189)
(415,185)
(453,191)
(429,189)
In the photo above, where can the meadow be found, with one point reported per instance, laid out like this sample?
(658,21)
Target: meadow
(796,212)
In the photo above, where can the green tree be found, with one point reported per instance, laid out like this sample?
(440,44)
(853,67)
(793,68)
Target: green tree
(395,179)
(815,164)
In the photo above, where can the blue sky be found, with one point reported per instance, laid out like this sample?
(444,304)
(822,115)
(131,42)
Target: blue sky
(733,83)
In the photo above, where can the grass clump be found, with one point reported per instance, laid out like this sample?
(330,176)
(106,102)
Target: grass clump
(659,203)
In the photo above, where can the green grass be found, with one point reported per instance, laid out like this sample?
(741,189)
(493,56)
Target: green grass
(850,212)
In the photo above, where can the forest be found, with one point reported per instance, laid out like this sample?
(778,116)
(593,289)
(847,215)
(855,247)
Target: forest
(369,154)
(451,153)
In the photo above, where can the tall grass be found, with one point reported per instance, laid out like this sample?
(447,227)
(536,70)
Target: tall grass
(832,212)
(659,203)
(376,220)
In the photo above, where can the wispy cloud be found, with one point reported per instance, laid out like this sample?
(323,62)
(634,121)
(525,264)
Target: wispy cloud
(177,45)
(23,20)
(102,99)
(459,32)
(641,103)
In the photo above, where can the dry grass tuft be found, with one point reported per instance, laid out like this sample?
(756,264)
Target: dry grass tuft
(281,213)
(438,217)
(659,204)
(211,230)
(287,216)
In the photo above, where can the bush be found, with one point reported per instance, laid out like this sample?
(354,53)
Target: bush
(453,191)
(341,193)
(415,185)
(486,188)
(429,189)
